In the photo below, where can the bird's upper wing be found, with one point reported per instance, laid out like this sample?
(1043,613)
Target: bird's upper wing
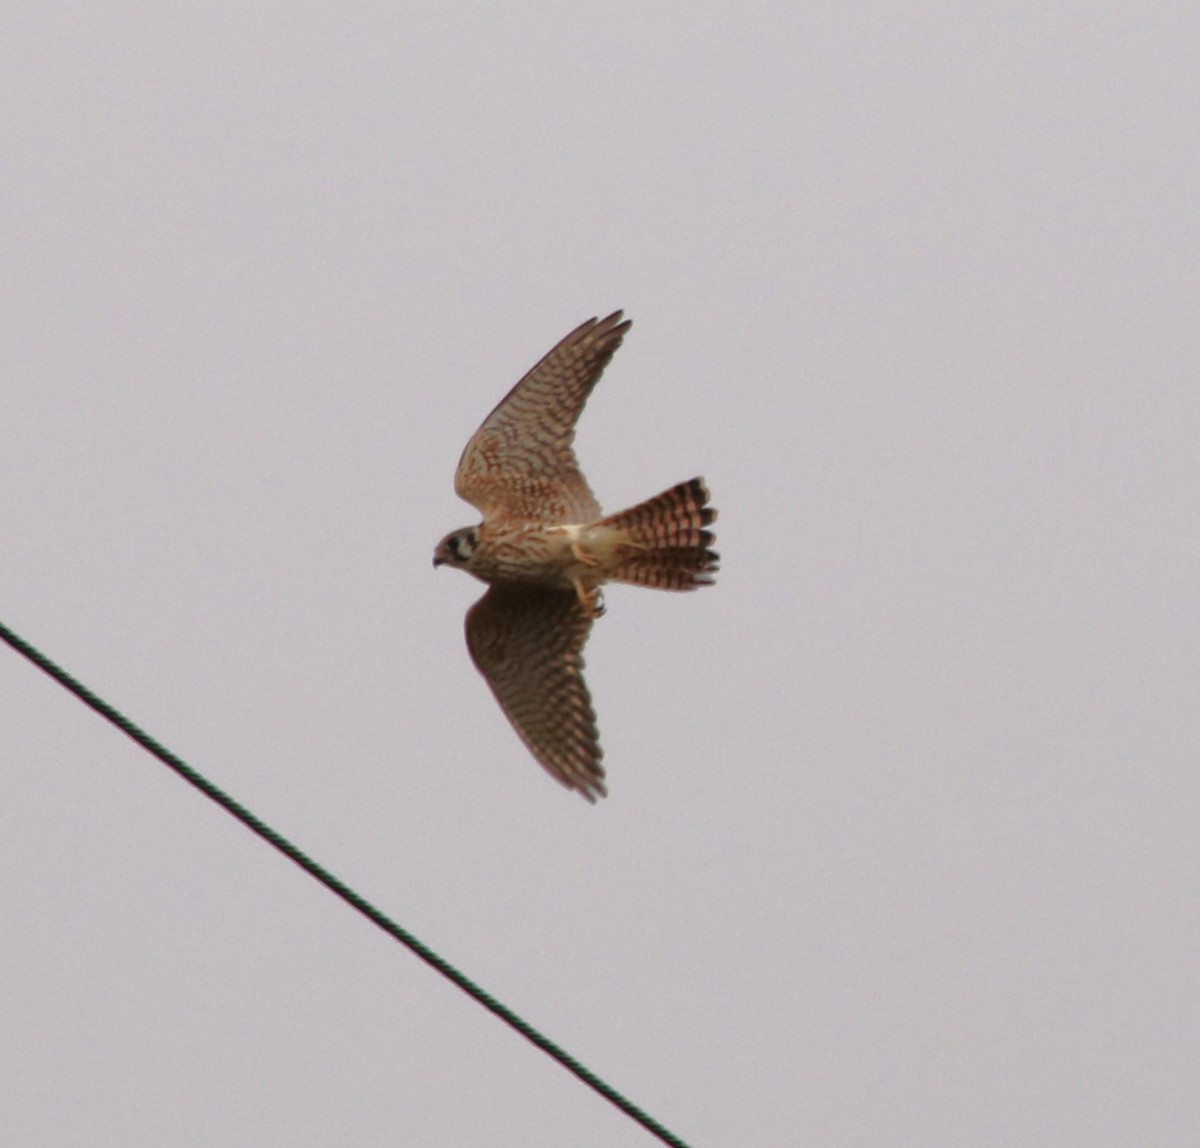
(520,461)
(527,641)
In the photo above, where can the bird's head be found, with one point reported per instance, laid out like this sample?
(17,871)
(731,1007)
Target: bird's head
(457,548)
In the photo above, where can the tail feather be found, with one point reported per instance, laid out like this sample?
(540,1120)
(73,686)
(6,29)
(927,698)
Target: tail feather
(666,542)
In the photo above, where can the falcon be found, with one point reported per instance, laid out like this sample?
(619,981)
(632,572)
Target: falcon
(545,549)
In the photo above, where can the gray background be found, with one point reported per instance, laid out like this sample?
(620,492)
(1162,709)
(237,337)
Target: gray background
(901,847)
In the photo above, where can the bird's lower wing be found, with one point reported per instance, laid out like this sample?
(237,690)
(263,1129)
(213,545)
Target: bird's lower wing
(527,642)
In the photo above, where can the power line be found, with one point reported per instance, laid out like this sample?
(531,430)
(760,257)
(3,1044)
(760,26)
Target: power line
(337,886)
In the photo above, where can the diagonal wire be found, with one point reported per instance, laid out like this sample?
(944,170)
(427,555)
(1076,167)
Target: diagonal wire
(337,886)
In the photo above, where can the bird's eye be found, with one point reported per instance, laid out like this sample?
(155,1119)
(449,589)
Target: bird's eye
(462,545)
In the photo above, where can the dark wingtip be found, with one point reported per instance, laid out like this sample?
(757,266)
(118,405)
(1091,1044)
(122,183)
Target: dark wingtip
(591,792)
(612,327)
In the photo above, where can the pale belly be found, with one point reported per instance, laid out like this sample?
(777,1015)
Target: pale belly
(547,555)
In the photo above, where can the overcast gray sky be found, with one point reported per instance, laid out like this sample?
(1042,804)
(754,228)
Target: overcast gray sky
(901,847)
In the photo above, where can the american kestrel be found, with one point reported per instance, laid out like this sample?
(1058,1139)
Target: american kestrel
(545,548)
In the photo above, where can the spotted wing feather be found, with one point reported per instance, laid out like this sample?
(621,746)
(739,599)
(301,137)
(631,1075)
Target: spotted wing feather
(527,642)
(520,462)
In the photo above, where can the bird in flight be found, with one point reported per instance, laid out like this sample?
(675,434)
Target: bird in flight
(545,548)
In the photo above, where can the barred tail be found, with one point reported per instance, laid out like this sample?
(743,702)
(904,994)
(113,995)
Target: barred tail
(666,544)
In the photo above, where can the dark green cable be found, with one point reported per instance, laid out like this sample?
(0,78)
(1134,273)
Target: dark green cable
(331,882)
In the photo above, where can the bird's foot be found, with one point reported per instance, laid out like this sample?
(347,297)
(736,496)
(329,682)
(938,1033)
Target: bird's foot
(582,556)
(591,601)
